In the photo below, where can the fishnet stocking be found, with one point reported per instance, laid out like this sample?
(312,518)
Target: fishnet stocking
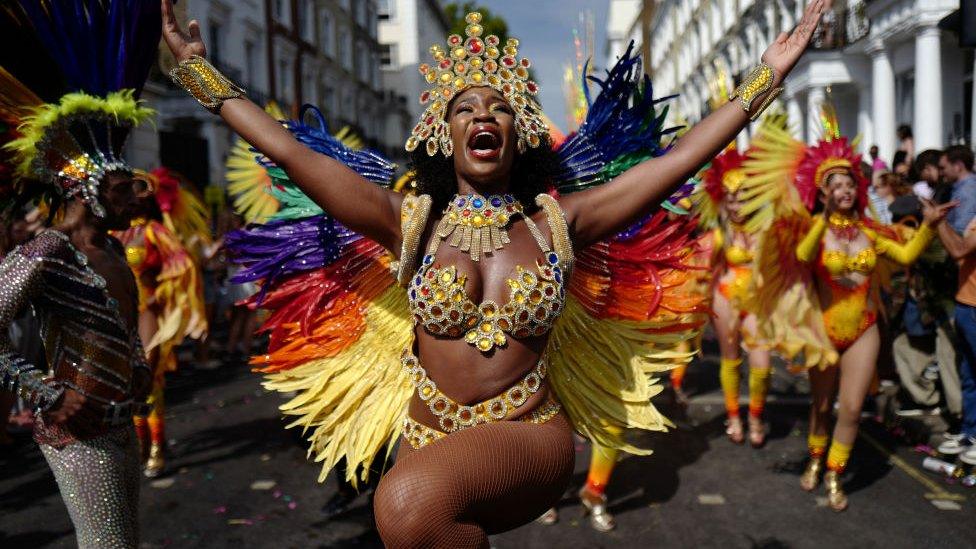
(479,481)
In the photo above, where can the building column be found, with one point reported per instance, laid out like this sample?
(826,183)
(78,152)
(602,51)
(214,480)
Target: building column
(794,114)
(927,125)
(865,126)
(883,100)
(815,99)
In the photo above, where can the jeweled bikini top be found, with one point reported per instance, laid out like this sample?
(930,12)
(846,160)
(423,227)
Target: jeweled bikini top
(441,305)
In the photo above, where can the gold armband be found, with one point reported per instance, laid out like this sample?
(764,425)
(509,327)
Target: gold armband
(205,83)
(759,81)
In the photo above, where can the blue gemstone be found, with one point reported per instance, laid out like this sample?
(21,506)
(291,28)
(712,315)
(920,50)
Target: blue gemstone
(460,202)
(509,198)
(477,203)
(553,258)
(428,259)
(496,201)
(413,294)
(558,277)
(418,280)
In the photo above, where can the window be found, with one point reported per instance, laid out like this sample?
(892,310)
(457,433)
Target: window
(250,63)
(215,41)
(362,62)
(359,12)
(345,49)
(281,11)
(285,80)
(306,19)
(327,34)
(387,9)
(388,56)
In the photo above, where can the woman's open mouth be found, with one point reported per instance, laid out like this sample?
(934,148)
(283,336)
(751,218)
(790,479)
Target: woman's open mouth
(485,142)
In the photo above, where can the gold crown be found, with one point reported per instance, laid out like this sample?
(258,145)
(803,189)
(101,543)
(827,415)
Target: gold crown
(476,62)
(831,166)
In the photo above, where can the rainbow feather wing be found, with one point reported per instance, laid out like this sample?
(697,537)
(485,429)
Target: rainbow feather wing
(338,321)
(632,308)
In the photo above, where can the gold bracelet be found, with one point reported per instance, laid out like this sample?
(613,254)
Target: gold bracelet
(205,83)
(759,81)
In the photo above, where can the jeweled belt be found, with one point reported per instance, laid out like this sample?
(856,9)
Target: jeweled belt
(452,416)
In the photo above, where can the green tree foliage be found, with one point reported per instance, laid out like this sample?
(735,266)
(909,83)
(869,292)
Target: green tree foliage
(492,23)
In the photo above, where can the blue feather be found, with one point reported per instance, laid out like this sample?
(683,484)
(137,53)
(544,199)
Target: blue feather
(622,121)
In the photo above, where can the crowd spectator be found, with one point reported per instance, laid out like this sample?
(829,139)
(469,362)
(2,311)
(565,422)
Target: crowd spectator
(877,164)
(958,234)
(906,145)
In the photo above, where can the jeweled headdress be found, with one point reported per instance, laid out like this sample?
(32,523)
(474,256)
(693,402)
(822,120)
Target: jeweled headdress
(832,154)
(723,176)
(470,62)
(87,60)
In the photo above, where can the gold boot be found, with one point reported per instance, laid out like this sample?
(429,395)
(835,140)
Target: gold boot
(836,497)
(596,507)
(811,475)
(155,462)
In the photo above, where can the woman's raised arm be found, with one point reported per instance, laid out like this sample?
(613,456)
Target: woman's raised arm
(600,212)
(356,203)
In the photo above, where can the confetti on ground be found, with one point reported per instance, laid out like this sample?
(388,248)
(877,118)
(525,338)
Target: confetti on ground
(292,505)
(265,457)
(240,522)
(711,499)
(220,510)
(946,505)
(263,484)
(821,501)
(162,483)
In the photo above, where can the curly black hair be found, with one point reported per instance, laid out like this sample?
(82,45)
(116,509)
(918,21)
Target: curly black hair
(532,174)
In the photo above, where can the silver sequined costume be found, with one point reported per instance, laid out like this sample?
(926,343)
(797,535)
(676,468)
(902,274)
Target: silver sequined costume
(91,349)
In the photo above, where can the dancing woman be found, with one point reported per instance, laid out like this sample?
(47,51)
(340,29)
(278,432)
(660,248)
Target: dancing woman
(497,379)
(844,251)
(171,305)
(719,205)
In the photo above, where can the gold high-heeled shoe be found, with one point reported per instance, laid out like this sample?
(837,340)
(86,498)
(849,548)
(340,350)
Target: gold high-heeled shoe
(811,475)
(596,507)
(155,463)
(836,497)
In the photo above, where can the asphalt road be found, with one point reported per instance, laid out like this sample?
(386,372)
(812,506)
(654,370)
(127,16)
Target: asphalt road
(239,479)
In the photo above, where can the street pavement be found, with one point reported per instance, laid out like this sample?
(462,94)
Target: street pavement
(237,478)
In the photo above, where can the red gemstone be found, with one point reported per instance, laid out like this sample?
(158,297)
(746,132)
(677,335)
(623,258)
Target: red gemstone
(466,213)
(525,63)
(475,47)
(445,64)
(424,97)
(425,291)
(429,120)
(532,87)
(508,61)
(487,213)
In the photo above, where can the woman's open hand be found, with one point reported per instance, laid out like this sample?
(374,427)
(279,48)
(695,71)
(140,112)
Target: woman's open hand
(182,44)
(786,50)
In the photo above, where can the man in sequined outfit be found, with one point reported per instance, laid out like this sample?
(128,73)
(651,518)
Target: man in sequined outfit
(76,280)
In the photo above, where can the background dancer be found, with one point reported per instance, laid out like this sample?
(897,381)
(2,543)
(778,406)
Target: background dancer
(845,249)
(171,304)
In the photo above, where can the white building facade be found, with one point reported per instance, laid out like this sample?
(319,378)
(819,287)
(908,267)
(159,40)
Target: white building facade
(407,29)
(881,63)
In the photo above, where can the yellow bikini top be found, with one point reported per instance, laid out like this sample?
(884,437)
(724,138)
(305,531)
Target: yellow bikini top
(734,255)
(737,255)
(440,303)
(838,263)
